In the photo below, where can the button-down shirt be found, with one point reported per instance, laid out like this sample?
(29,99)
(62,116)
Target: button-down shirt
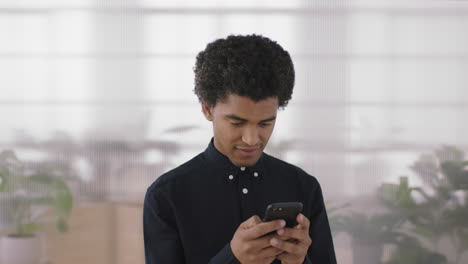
(192,212)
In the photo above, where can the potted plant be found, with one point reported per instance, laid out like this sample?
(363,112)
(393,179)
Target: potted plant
(30,199)
(442,208)
(369,233)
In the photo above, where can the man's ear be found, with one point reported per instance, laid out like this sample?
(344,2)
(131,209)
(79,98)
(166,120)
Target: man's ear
(207,111)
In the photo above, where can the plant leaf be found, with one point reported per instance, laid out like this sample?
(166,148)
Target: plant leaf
(29,228)
(61,225)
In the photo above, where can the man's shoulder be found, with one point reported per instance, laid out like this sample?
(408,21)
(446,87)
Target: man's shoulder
(178,174)
(287,168)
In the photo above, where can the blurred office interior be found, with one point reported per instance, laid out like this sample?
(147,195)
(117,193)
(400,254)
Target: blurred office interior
(99,94)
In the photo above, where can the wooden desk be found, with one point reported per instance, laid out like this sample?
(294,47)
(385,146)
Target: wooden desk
(104,233)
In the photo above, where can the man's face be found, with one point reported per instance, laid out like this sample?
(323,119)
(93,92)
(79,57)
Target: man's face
(242,127)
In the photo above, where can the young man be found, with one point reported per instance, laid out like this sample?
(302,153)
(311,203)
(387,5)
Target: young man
(208,210)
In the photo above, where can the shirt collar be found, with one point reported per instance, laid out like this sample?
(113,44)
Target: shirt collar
(214,156)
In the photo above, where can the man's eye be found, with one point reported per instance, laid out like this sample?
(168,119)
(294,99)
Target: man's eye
(236,124)
(265,124)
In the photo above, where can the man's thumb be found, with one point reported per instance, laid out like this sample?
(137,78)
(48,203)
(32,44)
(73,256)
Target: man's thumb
(252,221)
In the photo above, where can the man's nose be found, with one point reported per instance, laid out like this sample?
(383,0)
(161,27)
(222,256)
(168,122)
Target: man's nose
(250,136)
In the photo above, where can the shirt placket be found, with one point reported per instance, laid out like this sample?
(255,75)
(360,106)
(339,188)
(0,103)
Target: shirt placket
(246,190)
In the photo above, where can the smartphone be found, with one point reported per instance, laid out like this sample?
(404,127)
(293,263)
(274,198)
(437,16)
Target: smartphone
(286,211)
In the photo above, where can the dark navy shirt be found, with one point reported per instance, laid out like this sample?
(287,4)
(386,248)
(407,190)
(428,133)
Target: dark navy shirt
(192,212)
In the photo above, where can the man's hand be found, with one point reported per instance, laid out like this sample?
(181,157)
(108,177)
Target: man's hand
(250,244)
(293,241)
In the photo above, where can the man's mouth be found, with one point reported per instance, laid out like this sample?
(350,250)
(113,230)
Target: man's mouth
(247,151)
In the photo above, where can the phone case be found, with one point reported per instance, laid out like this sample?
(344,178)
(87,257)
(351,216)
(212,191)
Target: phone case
(286,211)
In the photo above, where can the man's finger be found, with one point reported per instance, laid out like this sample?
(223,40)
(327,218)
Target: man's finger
(251,222)
(288,247)
(263,229)
(286,257)
(294,233)
(304,223)
(264,241)
(270,252)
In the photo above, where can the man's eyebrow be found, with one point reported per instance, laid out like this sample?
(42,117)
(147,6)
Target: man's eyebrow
(238,118)
(269,119)
(234,117)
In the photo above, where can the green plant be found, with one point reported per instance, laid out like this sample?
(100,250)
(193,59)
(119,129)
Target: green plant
(441,210)
(409,250)
(35,197)
(415,216)
(369,233)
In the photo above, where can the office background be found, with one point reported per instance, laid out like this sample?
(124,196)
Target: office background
(103,91)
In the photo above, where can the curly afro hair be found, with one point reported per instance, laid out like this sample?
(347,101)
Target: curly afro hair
(252,66)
